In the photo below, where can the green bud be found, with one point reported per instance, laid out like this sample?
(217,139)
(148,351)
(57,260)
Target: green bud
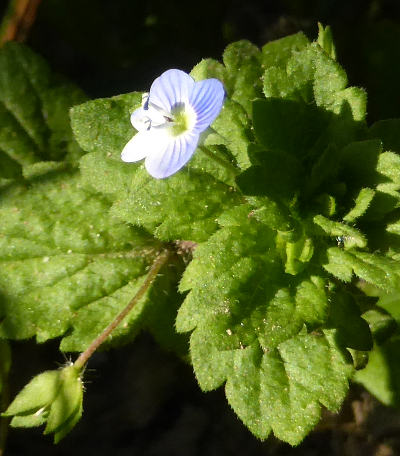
(54,398)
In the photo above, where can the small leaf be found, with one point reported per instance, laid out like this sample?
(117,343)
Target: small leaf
(361,205)
(381,271)
(350,236)
(210,68)
(298,254)
(325,40)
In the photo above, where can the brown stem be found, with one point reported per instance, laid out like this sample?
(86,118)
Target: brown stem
(18,20)
(158,263)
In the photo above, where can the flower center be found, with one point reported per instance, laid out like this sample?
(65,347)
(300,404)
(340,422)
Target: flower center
(183,118)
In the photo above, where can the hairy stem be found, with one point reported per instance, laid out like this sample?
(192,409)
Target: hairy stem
(152,274)
(18,20)
(231,168)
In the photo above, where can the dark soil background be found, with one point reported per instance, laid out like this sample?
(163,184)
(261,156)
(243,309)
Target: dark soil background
(140,400)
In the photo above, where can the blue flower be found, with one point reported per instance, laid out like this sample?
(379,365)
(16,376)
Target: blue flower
(169,123)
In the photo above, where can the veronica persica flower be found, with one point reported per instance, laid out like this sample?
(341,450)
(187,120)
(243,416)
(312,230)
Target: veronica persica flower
(169,123)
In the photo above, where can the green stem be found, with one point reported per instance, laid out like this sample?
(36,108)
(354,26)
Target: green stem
(228,166)
(152,274)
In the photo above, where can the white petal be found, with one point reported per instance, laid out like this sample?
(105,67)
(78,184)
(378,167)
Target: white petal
(171,88)
(142,119)
(144,143)
(177,153)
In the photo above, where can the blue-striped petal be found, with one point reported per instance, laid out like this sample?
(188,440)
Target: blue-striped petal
(172,87)
(206,99)
(177,153)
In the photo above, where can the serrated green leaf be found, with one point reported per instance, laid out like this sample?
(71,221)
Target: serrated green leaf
(289,126)
(278,52)
(319,366)
(210,68)
(233,125)
(243,63)
(190,215)
(34,107)
(274,215)
(312,300)
(312,77)
(60,250)
(339,264)
(275,174)
(381,271)
(199,196)
(351,237)
(251,333)
(361,205)
(279,390)
(388,165)
(156,311)
(103,125)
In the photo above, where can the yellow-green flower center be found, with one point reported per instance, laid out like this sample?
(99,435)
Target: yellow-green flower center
(183,118)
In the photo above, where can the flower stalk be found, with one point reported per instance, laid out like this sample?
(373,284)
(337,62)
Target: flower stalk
(228,166)
(160,261)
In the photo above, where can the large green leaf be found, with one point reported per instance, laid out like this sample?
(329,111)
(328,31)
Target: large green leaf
(249,323)
(200,193)
(60,251)
(34,104)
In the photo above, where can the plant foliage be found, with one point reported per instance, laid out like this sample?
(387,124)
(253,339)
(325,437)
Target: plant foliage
(293,228)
